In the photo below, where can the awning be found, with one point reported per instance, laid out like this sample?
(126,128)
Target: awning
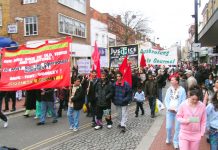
(8,43)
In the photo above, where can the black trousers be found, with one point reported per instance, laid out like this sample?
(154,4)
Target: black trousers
(139,105)
(100,113)
(3,117)
(152,102)
(12,96)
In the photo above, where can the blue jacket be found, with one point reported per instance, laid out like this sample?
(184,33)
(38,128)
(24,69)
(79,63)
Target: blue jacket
(123,94)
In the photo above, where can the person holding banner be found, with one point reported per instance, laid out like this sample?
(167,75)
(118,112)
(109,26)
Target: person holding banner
(47,103)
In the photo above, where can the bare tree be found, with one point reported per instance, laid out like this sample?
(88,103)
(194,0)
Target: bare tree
(135,26)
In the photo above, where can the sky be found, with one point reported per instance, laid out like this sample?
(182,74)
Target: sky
(169,19)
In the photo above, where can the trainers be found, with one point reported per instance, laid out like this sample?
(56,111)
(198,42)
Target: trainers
(36,117)
(123,129)
(75,129)
(176,146)
(40,123)
(54,121)
(98,127)
(109,126)
(136,115)
(71,128)
(6,124)
(167,141)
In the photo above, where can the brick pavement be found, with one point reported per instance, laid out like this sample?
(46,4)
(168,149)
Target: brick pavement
(159,141)
(109,139)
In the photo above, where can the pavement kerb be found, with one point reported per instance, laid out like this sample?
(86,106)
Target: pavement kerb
(15,112)
(148,139)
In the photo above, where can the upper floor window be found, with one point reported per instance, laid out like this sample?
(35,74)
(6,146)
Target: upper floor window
(29,1)
(71,26)
(30,26)
(1,16)
(78,5)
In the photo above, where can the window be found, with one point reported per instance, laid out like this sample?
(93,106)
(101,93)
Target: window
(78,5)
(31,26)
(0,15)
(71,26)
(29,1)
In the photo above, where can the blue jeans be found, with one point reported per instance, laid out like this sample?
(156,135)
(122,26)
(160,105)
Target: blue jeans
(170,119)
(45,106)
(160,94)
(73,117)
(213,136)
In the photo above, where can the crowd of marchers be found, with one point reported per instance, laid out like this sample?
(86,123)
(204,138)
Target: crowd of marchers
(191,101)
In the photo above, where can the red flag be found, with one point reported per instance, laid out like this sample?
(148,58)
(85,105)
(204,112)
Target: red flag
(123,66)
(127,76)
(96,61)
(143,61)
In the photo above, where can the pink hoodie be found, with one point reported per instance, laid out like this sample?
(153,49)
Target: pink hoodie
(191,131)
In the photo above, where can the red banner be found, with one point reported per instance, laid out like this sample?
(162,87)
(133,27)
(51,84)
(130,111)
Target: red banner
(47,66)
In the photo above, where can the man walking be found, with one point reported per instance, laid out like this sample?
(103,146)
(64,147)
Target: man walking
(122,97)
(151,93)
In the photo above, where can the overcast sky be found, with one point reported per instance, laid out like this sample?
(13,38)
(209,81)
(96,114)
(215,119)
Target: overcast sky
(169,19)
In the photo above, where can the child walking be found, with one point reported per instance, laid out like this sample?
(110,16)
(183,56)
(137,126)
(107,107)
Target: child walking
(139,98)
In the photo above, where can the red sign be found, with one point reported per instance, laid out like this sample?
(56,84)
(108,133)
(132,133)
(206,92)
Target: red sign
(47,66)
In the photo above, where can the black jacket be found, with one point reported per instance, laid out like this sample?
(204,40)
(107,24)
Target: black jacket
(48,95)
(104,93)
(79,98)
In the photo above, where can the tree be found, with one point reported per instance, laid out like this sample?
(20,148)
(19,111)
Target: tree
(135,27)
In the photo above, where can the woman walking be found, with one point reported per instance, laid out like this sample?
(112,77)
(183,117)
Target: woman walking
(192,116)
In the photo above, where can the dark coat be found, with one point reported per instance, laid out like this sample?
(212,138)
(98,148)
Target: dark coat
(79,98)
(48,95)
(91,91)
(31,97)
(122,95)
(104,93)
(151,89)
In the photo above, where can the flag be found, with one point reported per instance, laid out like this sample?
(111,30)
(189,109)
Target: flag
(143,61)
(96,61)
(128,75)
(123,66)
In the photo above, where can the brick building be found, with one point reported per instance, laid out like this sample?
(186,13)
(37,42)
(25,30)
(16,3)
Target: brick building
(115,26)
(51,19)
(4,17)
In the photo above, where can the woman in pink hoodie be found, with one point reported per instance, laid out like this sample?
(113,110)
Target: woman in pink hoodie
(192,116)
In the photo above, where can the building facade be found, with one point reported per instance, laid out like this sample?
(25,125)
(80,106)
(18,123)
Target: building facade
(4,17)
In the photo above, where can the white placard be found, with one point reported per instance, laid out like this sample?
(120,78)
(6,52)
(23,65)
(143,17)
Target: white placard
(12,28)
(83,66)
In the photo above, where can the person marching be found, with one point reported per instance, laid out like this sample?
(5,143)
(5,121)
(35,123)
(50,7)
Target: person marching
(192,117)
(139,98)
(122,97)
(104,94)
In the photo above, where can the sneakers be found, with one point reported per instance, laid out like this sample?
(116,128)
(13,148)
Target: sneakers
(109,126)
(167,141)
(123,129)
(54,121)
(71,128)
(6,124)
(136,115)
(36,117)
(75,129)
(176,146)
(40,123)
(98,127)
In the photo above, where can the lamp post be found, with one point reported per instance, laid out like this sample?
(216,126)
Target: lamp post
(196,20)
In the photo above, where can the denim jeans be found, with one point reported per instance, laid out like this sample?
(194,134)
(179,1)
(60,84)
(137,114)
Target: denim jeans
(45,106)
(213,136)
(73,117)
(152,102)
(170,119)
